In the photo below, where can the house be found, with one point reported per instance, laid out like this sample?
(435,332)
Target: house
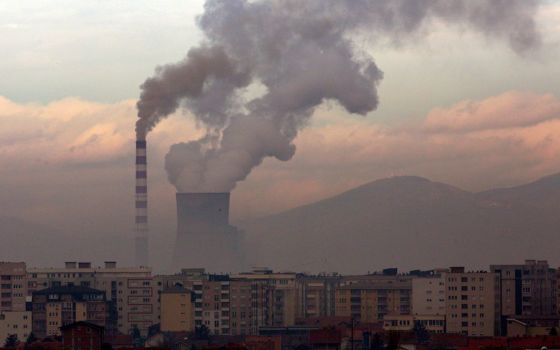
(82,335)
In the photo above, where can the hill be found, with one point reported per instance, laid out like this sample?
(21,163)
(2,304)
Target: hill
(411,222)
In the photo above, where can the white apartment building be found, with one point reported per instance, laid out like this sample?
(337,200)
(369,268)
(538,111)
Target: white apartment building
(428,295)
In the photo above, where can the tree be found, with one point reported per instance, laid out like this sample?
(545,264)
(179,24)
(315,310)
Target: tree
(166,340)
(11,341)
(421,334)
(30,338)
(136,336)
(202,333)
(153,329)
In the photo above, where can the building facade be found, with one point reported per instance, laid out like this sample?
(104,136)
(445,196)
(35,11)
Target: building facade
(406,323)
(370,300)
(59,306)
(15,322)
(473,302)
(82,336)
(13,286)
(131,292)
(177,310)
(528,289)
(428,295)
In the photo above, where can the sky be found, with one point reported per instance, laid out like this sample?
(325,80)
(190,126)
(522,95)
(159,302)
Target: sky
(456,107)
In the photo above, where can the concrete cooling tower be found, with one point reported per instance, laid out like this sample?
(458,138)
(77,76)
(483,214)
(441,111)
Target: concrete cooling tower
(204,236)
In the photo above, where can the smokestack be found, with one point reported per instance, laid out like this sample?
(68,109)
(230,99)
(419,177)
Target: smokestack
(204,235)
(141,205)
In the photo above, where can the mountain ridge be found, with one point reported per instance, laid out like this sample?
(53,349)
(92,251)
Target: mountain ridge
(404,220)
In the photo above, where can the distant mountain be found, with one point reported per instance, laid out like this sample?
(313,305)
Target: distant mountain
(412,222)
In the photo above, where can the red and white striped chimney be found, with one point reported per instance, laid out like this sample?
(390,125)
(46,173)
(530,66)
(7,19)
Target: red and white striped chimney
(141,205)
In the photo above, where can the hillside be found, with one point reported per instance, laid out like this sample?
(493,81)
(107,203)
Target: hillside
(411,222)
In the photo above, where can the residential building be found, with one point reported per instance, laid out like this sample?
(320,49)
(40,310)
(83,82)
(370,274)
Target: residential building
(316,295)
(432,323)
(177,310)
(59,306)
(371,299)
(15,322)
(428,295)
(473,302)
(132,294)
(82,336)
(528,289)
(242,304)
(13,286)
(275,297)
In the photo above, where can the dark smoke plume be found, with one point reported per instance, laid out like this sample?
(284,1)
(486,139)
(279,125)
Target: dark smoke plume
(299,53)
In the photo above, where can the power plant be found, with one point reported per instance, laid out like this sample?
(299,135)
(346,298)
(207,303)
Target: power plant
(204,236)
(141,205)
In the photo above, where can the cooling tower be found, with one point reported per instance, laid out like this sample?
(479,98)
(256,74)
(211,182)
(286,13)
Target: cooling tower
(141,205)
(204,236)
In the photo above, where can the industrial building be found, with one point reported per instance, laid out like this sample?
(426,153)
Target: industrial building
(204,235)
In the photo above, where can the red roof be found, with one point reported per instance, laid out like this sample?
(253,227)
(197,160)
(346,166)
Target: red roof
(324,336)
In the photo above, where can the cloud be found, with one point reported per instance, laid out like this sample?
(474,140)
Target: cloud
(497,141)
(76,157)
(509,110)
(69,130)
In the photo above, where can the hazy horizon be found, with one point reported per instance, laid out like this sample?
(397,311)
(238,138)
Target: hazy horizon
(459,103)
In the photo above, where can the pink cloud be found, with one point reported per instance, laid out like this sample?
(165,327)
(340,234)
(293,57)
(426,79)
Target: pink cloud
(509,110)
(499,141)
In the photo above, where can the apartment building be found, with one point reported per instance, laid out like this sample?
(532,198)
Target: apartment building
(177,310)
(59,306)
(13,286)
(432,323)
(215,303)
(316,295)
(242,303)
(473,302)
(14,319)
(275,297)
(528,289)
(428,295)
(131,292)
(371,299)
(15,322)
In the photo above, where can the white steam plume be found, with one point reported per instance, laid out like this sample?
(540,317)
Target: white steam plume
(302,52)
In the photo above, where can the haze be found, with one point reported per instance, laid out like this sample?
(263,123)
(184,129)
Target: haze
(458,106)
